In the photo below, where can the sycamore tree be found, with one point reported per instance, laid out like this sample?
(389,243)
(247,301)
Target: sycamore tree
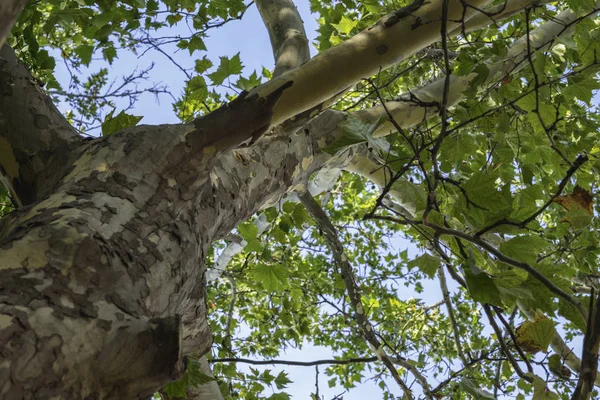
(134,262)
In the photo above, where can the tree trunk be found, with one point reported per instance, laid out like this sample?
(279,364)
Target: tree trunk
(102,282)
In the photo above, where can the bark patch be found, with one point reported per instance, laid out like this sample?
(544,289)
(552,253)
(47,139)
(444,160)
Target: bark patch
(382,49)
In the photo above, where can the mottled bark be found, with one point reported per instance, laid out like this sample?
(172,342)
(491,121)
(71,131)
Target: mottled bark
(35,139)
(9,12)
(102,283)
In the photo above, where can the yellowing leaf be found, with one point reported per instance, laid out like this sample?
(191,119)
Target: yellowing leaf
(535,336)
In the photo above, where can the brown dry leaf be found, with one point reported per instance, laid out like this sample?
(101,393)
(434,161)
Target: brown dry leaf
(579,206)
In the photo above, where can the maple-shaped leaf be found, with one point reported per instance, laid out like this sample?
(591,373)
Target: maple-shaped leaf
(535,336)
(579,206)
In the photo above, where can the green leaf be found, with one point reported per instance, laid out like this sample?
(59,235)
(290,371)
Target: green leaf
(482,287)
(279,396)
(193,377)
(427,264)
(203,65)
(196,43)
(253,245)
(46,61)
(541,392)
(109,53)
(121,121)
(281,381)
(484,202)
(557,368)
(249,83)
(569,312)
(227,67)
(247,230)
(582,90)
(524,248)
(274,278)
(85,53)
(482,72)
(172,19)
(412,197)
(346,25)
(198,89)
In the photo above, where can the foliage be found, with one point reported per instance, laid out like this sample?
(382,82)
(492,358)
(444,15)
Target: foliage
(513,165)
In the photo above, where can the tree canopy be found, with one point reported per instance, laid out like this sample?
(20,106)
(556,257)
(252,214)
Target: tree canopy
(461,166)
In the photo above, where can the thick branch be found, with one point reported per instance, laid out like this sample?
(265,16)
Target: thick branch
(589,357)
(35,139)
(9,12)
(392,39)
(417,105)
(287,34)
(296,363)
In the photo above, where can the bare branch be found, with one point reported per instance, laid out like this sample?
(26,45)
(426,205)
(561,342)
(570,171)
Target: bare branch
(287,34)
(449,308)
(503,345)
(296,363)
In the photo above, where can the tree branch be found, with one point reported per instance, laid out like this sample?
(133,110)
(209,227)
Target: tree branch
(392,39)
(9,13)
(295,363)
(450,310)
(589,357)
(287,34)
(417,105)
(511,261)
(35,138)
(354,293)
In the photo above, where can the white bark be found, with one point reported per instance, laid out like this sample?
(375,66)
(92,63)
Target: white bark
(391,40)
(287,34)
